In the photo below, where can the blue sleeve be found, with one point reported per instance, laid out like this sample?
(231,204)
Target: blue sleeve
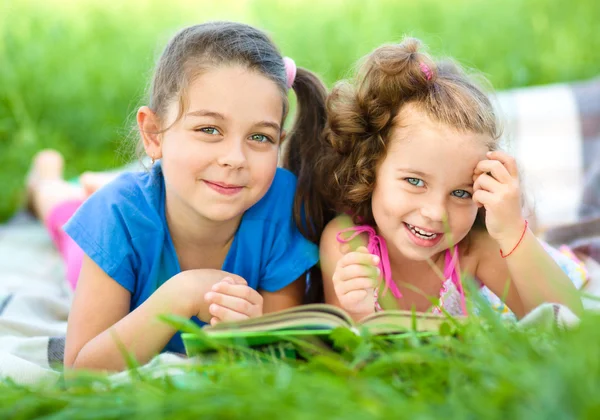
(289,253)
(102,227)
(291,256)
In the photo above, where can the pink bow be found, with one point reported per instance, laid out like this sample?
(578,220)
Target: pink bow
(290,71)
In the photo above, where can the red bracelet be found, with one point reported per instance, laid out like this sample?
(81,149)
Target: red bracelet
(520,239)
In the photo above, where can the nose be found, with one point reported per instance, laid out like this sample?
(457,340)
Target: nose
(434,208)
(233,154)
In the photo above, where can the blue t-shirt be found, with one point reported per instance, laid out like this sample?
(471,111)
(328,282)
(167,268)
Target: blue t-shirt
(122,228)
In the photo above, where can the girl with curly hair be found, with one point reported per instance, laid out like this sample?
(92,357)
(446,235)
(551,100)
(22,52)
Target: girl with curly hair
(418,196)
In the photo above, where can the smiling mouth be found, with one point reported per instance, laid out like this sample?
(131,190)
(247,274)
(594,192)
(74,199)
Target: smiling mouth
(421,233)
(225,189)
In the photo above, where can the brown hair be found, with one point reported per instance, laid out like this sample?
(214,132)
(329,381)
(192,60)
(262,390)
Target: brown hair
(339,166)
(210,45)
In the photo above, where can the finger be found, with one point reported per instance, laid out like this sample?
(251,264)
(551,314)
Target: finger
(227,280)
(214,320)
(496,169)
(358,258)
(233,279)
(237,291)
(356,296)
(355,271)
(507,160)
(361,283)
(487,183)
(482,197)
(233,303)
(226,314)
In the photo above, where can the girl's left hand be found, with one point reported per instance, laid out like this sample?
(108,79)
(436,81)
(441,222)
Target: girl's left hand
(232,300)
(496,187)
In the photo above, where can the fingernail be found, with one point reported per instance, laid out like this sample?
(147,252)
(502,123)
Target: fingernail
(375,259)
(378,271)
(228,280)
(209,296)
(489,153)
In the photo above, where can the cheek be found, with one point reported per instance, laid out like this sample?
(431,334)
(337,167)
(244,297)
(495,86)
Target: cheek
(387,208)
(263,167)
(464,217)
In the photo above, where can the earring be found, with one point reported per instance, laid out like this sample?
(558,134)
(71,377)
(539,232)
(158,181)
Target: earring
(152,159)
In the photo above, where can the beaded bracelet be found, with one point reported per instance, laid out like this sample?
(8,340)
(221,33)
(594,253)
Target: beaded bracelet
(520,239)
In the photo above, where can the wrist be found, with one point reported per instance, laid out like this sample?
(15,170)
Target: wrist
(182,292)
(509,242)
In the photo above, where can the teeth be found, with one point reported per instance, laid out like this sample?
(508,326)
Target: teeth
(421,233)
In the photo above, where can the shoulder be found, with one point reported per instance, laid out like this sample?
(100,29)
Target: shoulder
(137,188)
(130,202)
(337,234)
(335,226)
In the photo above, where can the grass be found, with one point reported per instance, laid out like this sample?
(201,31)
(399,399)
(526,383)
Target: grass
(73,73)
(489,371)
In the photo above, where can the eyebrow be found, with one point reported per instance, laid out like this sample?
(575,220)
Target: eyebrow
(412,171)
(219,116)
(205,113)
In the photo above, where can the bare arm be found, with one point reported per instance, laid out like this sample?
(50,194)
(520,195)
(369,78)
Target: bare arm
(535,275)
(289,296)
(348,271)
(100,314)
(532,274)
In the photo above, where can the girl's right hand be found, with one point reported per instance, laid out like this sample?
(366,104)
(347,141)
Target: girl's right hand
(191,286)
(233,300)
(354,280)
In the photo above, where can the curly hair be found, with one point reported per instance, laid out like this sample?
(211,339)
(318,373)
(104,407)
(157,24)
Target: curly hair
(336,170)
(362,114)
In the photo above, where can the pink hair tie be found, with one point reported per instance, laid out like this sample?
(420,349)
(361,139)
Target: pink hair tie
(290,71)
(426,70)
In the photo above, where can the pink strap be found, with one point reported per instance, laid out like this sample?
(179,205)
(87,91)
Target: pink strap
(451,270)
(376,246)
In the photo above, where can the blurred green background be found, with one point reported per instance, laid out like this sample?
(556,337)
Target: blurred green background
(73,73)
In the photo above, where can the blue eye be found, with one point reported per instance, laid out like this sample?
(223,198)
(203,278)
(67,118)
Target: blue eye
(209,130)
(415,181)
(461,194)
(261,138)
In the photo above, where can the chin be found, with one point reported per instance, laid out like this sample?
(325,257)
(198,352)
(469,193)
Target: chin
(219,215)
(420,255)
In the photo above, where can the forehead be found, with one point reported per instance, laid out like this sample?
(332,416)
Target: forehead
(424,145)
(236,92)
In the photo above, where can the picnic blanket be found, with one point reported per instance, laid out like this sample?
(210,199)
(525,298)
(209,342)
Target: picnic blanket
(554,131)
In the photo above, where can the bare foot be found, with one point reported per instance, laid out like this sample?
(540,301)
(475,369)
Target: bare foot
(45,184)
(93,181)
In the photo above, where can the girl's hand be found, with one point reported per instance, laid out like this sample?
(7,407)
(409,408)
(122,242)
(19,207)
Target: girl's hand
(233,300)
(354,282)
(496,187)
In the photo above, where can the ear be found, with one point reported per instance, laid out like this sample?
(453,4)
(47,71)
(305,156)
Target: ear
(282,137)
(149,126)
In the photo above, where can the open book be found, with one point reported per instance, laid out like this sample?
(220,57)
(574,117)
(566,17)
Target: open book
(310,320)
